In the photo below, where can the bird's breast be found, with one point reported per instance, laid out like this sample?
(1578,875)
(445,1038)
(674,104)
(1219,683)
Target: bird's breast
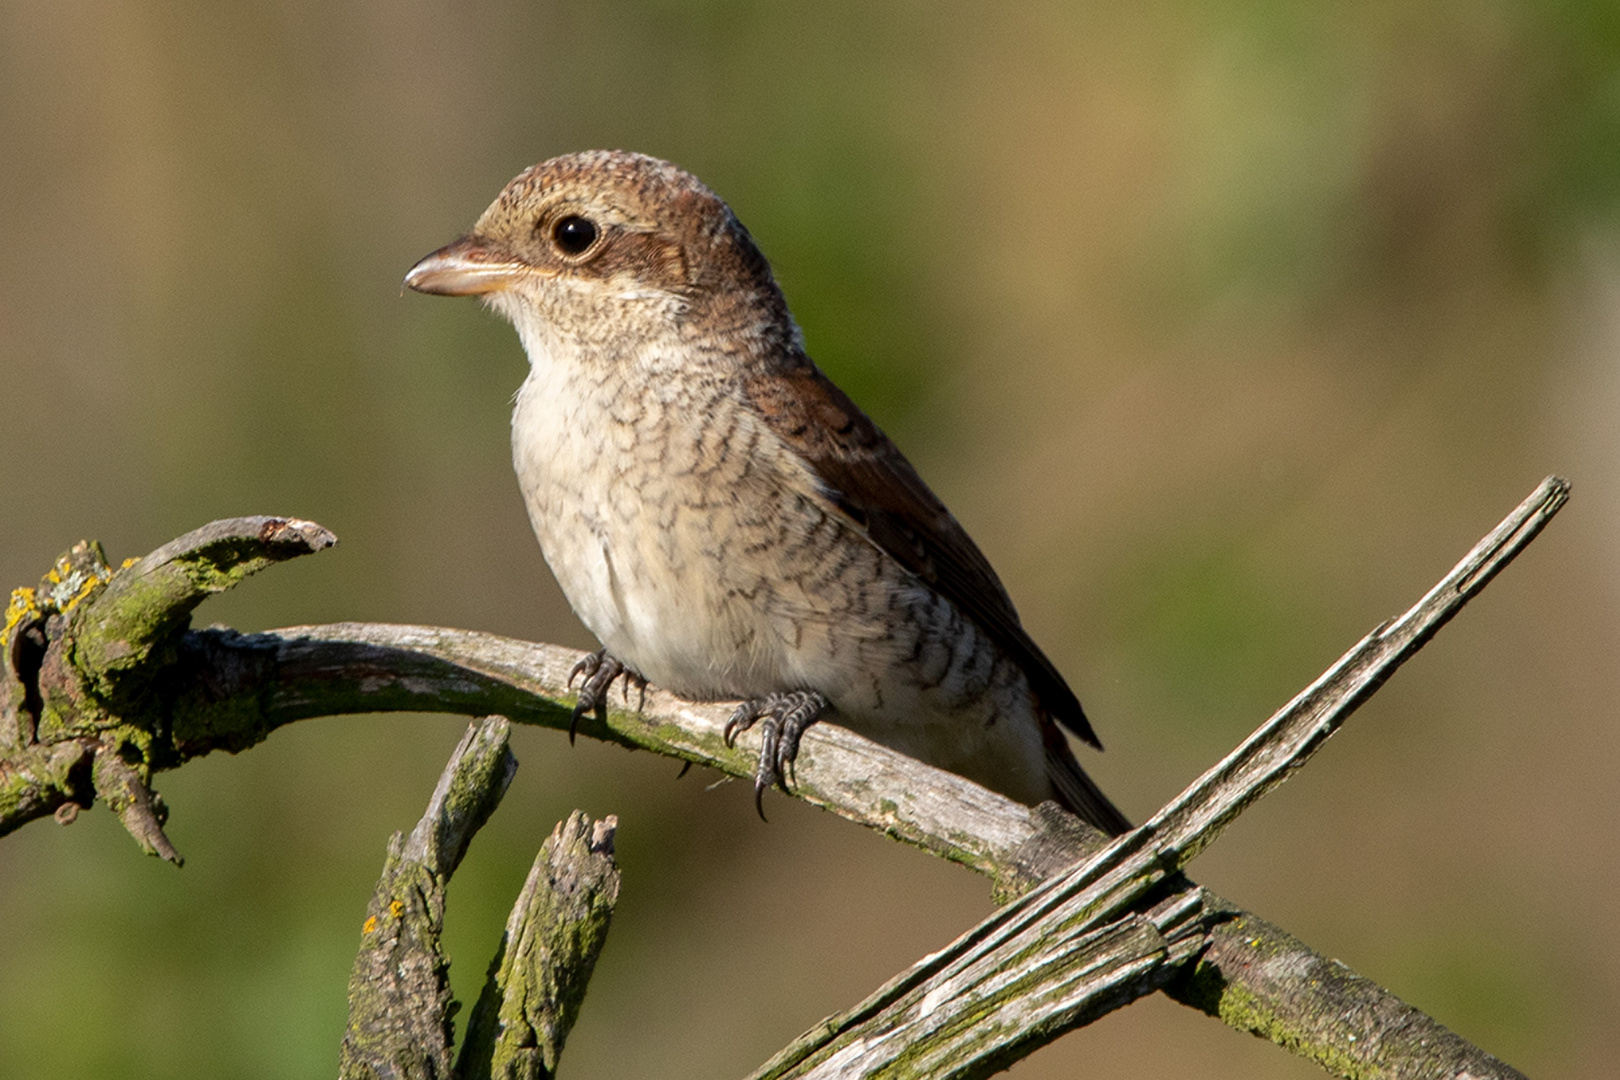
(650,499)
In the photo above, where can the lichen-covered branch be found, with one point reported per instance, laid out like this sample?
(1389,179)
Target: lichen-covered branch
(400,1008)
(399,991)
(1260,979)
(200,691)
(83,703)
(537,980)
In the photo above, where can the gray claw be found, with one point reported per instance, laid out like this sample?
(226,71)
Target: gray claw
(599,669)
(743,719)
(586,666)
(786,717)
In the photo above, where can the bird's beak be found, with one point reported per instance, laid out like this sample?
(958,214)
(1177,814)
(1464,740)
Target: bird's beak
(468,267)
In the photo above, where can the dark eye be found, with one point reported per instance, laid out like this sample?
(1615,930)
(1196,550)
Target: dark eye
(573,234)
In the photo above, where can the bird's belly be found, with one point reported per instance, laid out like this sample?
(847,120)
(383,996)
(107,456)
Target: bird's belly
(709,618)
(663,616)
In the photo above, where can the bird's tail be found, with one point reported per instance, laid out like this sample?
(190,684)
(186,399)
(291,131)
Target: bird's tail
(1075,790)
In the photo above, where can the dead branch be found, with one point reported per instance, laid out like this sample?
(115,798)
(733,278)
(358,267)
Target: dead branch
(400,1007)
(68,693)
(537,980)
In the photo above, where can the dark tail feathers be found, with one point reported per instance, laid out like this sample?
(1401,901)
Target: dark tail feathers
(1075,790)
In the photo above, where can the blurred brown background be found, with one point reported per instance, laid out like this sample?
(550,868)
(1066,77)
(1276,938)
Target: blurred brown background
(1224,328)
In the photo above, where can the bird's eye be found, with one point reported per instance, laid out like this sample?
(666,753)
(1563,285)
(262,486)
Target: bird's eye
(573,234)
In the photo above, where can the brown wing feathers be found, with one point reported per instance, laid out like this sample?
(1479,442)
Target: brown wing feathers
(875,486)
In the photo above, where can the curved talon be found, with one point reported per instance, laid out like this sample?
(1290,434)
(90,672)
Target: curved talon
(786,717)
(766,773)
(600,669)
(742,719)
(770,738)
(794,725)
(586,665)
(641,686)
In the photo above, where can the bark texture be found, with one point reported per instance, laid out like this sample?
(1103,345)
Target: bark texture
(538,978)
(400,1009)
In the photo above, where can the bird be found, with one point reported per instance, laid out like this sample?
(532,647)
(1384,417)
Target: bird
(721,516)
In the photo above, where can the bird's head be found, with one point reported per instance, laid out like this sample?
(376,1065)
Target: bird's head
(603,248)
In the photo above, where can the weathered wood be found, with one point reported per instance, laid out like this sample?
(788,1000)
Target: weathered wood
(1286,741)
(145,603)
(356,667)
(537,980)
(84,708)
(1007,987)
(399,990)
(1260,979)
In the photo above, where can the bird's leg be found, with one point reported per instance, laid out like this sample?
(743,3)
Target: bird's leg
(599,670)
(785,716)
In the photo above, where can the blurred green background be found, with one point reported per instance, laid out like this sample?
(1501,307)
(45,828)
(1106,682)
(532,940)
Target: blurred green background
(1225,328)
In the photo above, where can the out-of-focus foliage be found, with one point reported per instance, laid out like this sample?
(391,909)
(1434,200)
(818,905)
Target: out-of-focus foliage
(1225,328)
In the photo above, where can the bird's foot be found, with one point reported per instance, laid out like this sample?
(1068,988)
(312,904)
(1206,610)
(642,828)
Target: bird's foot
(599,670)
(783,719)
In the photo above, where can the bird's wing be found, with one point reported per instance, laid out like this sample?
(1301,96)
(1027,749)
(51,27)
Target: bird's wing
(873,486)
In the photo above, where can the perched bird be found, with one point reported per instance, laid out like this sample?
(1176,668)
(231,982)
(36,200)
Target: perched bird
(720,515)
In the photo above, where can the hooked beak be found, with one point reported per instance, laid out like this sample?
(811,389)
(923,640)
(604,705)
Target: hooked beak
(469,266)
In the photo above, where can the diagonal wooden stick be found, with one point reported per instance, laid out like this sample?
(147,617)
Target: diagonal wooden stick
(1084,942)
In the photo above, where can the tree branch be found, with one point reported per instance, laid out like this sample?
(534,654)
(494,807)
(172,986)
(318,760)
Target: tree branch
(400,1008)
(223,690)
(80,712)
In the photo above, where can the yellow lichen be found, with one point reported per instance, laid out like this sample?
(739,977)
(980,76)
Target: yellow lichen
(61,590)
(396,909)
(65,586)
(371,925)
(90,584)
(23,605)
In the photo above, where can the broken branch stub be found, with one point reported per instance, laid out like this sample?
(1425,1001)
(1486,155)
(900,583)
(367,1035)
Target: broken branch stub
(143,606)
(537,980)
(83,658)
(400,1006)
